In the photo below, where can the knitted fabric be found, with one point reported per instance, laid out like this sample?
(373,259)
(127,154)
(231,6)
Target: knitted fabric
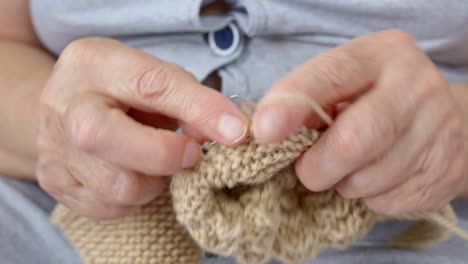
(245,202)
(151,236)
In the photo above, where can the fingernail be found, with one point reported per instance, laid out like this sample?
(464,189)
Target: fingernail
(191,155)
(269,122)
(231,128)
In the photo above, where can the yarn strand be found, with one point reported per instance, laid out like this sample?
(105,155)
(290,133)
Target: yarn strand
(443,222)
(245,202)
(295,98)
(298,99)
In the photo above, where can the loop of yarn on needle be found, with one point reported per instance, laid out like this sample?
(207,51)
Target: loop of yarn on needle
(245,202)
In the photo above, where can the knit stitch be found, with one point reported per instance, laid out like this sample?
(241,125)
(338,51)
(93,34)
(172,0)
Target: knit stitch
(245,202)
(151,236)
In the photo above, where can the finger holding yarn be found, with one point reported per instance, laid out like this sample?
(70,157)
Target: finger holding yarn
(229,203)
(151,235)
(246,202)
(253,207)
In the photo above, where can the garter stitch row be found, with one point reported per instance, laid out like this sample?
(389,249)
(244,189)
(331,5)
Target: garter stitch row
(247,202)
(244,202)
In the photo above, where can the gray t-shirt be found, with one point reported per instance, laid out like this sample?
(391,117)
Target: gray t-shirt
(279,35)
(276,36)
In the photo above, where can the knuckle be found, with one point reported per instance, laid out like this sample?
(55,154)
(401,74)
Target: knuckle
(378,129)
(153,82)
(397,37)
(83,134)
(402,49)
(333,68)
(84,128)
(126,189)
(80,50)
(198,116)
(348,144)
(432,83)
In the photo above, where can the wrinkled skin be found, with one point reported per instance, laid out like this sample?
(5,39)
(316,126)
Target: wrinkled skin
(398,140)
(106,127)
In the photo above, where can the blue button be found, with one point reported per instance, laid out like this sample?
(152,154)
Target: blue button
(224,38)
(226,41)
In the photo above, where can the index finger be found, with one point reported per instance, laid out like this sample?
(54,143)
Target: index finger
(146,83)
(329,78)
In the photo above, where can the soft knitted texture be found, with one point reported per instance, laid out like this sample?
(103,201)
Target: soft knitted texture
(151,236)
(245,202)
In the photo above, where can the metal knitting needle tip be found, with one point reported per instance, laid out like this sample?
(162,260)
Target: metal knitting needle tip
(246,105)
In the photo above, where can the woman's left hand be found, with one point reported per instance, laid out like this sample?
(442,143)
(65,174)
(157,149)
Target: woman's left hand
(399,144)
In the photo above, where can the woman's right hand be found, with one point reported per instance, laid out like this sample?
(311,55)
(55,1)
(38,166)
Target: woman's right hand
(104,143)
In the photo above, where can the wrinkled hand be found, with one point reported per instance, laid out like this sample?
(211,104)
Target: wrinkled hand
(399,142)
(105,127)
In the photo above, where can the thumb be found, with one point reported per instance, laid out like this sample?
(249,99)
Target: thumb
(170,90)
(141,81)
(328,79)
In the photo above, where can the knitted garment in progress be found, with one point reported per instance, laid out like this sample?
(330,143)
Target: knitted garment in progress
(151,236)
(245,202)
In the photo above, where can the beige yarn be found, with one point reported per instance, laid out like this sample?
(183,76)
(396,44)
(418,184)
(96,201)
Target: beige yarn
(245,202)
(151,236)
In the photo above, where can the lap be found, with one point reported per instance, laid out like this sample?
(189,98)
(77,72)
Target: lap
(27,236)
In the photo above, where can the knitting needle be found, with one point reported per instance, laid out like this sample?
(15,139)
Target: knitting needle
(246,105)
